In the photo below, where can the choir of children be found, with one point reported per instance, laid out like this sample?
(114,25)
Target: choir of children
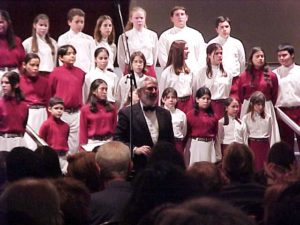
(202,131)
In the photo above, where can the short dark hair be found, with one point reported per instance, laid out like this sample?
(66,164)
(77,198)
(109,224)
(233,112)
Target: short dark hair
(175,8)
(286,47)
(55,101)
(282,155)
(238,162)
(222,19)
(64,49)
(75,12)
(30,56)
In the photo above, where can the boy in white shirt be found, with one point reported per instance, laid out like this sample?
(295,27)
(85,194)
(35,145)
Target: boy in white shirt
(181,31)
(83,43)
(288,99)
(233,49)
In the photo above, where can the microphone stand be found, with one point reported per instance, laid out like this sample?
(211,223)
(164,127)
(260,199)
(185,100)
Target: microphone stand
(131,76)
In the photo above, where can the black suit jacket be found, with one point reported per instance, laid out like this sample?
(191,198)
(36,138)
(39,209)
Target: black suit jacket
(108,205)
(140,132)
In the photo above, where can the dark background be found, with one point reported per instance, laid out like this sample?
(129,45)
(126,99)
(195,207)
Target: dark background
(264,23)
(23,12)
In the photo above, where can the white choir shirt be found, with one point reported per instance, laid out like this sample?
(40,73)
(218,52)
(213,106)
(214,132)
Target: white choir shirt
(84,45)
(195,42)
(289,83)
(233,54)
(109,77)
(182,83)
(112,51)
(123,87)
(152,123)
(258,127)
(218,84)
(233,132)
(144,40)
(179,122)
(47,60)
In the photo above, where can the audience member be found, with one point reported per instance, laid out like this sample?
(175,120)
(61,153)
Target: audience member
(212,211)
(207,178)
(31,202)
(281,165)
(82,166)
(159,183)
(49,162)
(3,176)
(21,163)
(204,211)
(164,151)
(74,201)
(242,191)
(114,161)
(286,208)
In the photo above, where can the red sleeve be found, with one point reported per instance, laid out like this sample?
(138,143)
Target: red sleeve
(235,88)
(21,56)
(275,87)
(43,132)
(53,83)
(83,129)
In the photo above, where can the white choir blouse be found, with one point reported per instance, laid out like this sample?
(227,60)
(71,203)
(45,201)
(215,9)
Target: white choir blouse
(233,132)
(47,60)
(182,83)
(143,40)
(195,43)
(109,77)
(112,51)
(219,85)
(258,127)
(289,83)
(179,122)
(233,54)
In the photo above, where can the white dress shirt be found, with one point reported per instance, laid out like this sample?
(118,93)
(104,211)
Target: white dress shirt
(152,123)
(219,85)
(47,60)
(182,83)
(84,45)
(112,51)
(258,127)
(195,43)
(179,122)
(109,77)
(233,132)
(143,40)
(233,54)
(289,86)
